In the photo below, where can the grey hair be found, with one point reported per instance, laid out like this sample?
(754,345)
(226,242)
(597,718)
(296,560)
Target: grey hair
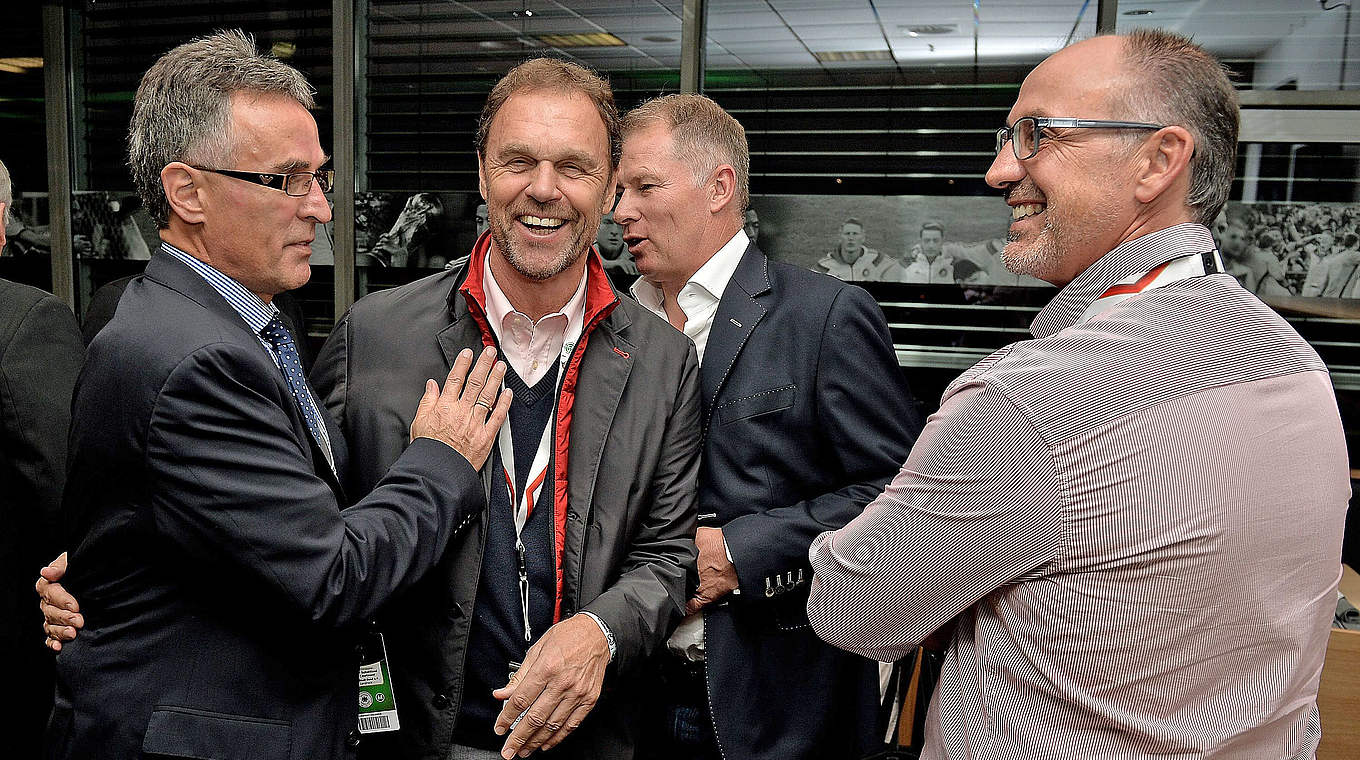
(182,111)
(6,194)
(1171,80)
(703,137)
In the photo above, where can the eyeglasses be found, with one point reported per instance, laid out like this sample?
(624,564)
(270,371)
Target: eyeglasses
(296,184)
(1024,135)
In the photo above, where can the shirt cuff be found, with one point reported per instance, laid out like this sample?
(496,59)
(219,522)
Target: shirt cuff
(608,634)
(728,552)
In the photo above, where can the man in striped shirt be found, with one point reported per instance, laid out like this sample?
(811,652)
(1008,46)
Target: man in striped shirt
(1134,519)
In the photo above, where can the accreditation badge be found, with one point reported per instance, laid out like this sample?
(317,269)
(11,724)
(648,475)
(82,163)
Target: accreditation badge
(377,703)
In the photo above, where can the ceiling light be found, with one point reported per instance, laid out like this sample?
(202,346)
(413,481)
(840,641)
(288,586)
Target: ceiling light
(841,56)
(1140,12)
(593,39)
(658,38)
(20,65)
(918,29)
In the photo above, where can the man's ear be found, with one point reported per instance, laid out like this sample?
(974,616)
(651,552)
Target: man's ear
(481,176)
(182,192)
(722,188)
(1165,162)
(611,193)
(3,208)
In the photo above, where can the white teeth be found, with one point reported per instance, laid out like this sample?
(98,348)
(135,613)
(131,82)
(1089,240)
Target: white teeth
(538,221)
(1025,209)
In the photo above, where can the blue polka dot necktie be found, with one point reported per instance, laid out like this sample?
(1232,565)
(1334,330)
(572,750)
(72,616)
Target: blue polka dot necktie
(278,337)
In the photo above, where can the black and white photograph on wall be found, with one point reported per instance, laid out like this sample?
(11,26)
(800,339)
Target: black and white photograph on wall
(1292,249)
(1274,249)
(415,230)
(113,225)
(910,239)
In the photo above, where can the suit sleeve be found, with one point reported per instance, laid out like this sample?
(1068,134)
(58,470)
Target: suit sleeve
(37,377)
(642,606)
(869,421)
(233,488)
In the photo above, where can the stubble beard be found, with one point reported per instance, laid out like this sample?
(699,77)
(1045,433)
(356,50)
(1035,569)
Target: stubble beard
(1040,257)
(558,263)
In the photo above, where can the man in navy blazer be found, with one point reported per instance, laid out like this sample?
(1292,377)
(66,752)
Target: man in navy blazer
(806,417)
(222,587)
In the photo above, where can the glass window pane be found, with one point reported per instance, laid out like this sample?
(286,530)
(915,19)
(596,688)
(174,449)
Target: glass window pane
(427,70)
(26,256)
(115,42)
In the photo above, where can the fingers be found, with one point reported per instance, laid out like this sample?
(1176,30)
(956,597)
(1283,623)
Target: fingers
(476,379)
(458,373)
(56,569)
(571,723)
(554,728)
(427,402)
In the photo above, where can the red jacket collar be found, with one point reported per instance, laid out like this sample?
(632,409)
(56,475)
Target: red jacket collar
(600,297)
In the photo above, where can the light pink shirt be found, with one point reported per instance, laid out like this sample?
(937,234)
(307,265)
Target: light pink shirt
(531,347)
(1137,518)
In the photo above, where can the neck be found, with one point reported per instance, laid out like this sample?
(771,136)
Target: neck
(712,239)
(193,245)
(847,255)
(536,298)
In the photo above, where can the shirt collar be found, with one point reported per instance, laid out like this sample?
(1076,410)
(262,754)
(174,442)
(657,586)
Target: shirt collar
(498,307)
(1129,259)
(252,309)
(712,277)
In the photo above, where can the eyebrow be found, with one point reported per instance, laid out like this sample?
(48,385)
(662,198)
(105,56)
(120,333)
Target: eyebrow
(296,165)
(518,149)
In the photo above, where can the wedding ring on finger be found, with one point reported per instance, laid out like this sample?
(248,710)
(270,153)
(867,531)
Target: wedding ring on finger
(482,403)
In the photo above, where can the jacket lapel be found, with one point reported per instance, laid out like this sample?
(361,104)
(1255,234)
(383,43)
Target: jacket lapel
(174,274)
(739,312)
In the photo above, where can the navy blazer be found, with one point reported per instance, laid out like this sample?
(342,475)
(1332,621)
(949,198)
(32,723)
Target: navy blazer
(221,583)
(807,418)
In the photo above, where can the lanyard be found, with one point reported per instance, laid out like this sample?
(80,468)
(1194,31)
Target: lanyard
(1177,269)
(523,506)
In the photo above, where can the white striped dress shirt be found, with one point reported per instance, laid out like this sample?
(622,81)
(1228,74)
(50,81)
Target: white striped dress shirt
(1137,520)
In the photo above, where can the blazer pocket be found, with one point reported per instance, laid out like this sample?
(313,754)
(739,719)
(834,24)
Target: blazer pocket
(757,403)
(183,732)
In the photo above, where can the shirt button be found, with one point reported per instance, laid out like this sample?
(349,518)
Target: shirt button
(440,702)
(352,741)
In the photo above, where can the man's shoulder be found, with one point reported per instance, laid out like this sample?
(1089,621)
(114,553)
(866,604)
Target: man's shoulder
(421,298)
(1167,343)
(17,296)
(794,285)
(17,301)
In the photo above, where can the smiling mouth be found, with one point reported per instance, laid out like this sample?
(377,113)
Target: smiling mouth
(1026,210)
(541,223)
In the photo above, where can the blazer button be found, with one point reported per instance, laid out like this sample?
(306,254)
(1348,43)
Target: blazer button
(352,741)
(440,702)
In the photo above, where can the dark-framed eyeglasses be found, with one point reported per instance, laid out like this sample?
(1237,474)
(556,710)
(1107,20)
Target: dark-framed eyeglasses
(296,184)
(1024,135)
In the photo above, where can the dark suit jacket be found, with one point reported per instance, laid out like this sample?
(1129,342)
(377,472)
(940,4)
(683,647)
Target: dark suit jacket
(631,469)
(807,417)
(217,575)
(104,302)
(40,352)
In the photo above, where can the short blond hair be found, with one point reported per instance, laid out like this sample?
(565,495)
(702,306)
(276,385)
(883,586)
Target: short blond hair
(703,137)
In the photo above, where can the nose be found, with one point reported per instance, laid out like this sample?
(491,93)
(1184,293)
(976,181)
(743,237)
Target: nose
(1006,169)
(314,206)
(543,184)
(625,211)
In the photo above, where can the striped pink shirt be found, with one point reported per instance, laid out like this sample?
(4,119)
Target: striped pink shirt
(1137,519)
